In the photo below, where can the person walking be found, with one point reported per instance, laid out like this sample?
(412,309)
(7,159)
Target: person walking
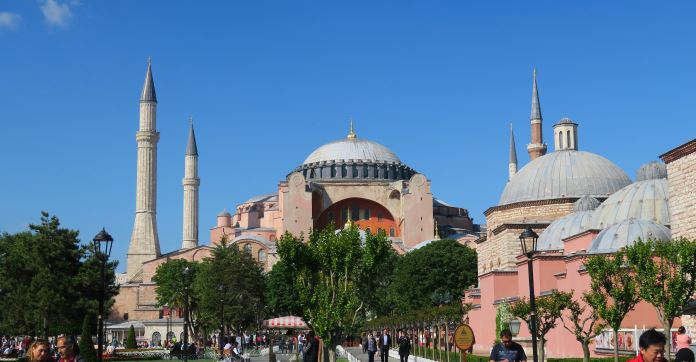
(651,345)
(363,342)
(404,342)
(311,349)
(371,347)
(507,350)
(68,350)
(384,345)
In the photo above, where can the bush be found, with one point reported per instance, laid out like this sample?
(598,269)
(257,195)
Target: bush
(86,344)
(130,342)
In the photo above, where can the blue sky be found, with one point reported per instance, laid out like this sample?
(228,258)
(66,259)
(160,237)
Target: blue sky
(266,82)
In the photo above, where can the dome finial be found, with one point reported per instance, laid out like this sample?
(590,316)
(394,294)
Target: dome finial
(349,222)
(351,132)
(437,232)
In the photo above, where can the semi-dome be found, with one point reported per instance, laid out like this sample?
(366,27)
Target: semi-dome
(580,220)
(566,173)
(646,200)
(626,233)
(356,149)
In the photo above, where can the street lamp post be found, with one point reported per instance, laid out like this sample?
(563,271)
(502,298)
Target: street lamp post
(169,318)
(184,348)
(222,291)
(528,241)
(102,244)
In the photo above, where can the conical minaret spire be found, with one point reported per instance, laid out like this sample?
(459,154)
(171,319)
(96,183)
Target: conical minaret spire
(512,163)
(191,184)
(144,243)
(537,147)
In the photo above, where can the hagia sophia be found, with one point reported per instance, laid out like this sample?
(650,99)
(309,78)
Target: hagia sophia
(580,203)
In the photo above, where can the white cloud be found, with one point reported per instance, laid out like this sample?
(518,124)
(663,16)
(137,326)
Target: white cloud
(9,20)
(56,13)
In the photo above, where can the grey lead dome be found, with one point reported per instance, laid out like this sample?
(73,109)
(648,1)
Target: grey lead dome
(352,149)
(626,233)
(565,173)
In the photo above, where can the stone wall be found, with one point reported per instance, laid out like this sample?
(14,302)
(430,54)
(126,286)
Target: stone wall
(504,225)
(681,175)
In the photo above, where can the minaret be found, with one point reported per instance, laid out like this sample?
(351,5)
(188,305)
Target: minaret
(537,147)
(144,243)
(512,164)
(191,183)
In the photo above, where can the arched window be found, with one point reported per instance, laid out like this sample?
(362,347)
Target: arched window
(560,140)
(568,138)
(331,217)
(156,339)
(367,214)
(392,233)
(262,256)
(247,248)
(355,213)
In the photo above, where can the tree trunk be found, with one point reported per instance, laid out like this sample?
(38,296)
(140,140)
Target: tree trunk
(616,345)
(332,354)
(585,351)
(541,343)
(667,325)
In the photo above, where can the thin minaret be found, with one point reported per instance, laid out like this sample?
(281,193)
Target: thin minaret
(512,164)
(537,148)
(191,183)
(144,243)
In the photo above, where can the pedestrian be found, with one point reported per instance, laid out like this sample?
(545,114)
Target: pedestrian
(384,345)
(684,353)
(311,350)
(404,346)
(507,350)
(651,345)
(69,352)
(363,342)
(39,351)
(371,346)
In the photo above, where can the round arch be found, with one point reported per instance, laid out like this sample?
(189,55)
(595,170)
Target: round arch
(367,214)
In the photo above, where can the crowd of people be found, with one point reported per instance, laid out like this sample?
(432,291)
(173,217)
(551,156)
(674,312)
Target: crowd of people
(29,349)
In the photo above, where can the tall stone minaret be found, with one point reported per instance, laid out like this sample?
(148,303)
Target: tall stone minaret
(537,147)
(191,183)
(512,164)
(144,243)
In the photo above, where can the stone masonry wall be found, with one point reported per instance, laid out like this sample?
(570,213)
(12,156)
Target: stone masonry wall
(682,196)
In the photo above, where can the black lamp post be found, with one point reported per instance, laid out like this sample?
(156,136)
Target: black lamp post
(222,289)
(169,319)
(528,241)
(184,348)
(102,244)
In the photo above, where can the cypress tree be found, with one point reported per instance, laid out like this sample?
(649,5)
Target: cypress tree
(130,342)
(86,344)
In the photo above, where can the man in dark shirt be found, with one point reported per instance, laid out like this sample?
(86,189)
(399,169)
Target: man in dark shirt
(507,350)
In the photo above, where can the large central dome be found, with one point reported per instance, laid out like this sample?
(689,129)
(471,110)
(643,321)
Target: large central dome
(566,173)
(354,158)
(355,149)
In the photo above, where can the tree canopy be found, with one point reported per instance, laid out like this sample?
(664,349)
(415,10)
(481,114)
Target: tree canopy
(435,274)
(44,269)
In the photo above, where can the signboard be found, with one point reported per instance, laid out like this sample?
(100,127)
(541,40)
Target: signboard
(464,337)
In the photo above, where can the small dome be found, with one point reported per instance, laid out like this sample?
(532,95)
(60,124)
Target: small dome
(585,203)
(352,149)
(552,237)
(651,171)
(224,213)
(566,120)
(645,200)
(626,233)
(566,173)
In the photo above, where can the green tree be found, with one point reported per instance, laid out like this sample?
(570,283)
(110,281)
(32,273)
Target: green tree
(584,323)
(328,270)
(549,310)
(417,282)
(130,340)
(171,288)
(86,344)
(232,279)
(44,269)
(281,294)
(502,319)
(613,290)
(666,276)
